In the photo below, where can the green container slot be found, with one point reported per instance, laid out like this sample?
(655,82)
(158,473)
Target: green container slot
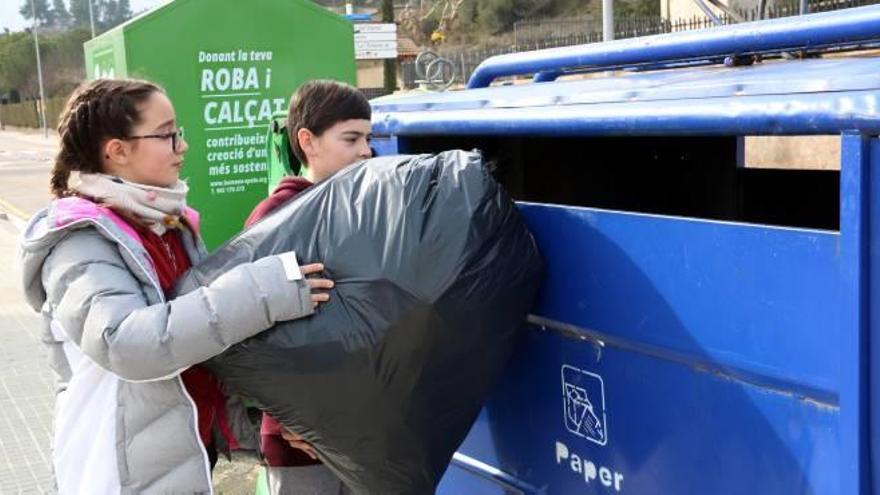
(282,161)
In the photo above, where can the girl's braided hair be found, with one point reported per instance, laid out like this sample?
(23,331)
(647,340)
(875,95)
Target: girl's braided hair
(96,111)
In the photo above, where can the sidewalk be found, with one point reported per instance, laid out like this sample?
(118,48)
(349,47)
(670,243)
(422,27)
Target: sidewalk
(26,396)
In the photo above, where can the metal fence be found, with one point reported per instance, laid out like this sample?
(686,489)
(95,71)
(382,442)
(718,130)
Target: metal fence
(529,31)
(371,93)
(537,35)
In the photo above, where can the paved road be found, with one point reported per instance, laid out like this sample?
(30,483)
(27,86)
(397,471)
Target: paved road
(25,163)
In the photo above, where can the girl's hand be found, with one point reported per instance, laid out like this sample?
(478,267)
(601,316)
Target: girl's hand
(297,442)
(319,286)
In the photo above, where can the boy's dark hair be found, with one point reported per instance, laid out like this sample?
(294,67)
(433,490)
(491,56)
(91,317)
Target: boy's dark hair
(96,111)
(318,105)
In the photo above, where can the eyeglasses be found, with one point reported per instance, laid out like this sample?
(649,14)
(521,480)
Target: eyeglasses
(176,137)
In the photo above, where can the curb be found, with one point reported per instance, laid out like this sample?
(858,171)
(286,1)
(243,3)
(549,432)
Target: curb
(11,213)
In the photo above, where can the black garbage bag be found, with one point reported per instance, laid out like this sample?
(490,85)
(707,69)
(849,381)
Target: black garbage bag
(434,273)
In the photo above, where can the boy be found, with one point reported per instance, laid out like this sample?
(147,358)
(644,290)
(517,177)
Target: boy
(328,123)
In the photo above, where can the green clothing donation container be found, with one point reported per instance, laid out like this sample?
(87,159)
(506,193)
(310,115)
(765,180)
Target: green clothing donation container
(229,67)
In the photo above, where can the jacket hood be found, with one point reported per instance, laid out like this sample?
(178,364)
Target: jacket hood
(293,185)
(286,189)
(51,224)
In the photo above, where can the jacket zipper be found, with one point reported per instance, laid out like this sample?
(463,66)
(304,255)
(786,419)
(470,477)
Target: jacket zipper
(177,374)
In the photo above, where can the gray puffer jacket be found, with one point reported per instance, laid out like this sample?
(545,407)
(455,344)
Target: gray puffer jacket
(124,422)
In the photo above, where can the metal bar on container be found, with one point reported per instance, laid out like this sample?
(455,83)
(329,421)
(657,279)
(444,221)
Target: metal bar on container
(854,273)
(792,33)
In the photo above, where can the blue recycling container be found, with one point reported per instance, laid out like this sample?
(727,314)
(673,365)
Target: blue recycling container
(705,327)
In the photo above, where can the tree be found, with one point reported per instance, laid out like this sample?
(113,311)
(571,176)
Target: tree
(60,15)
(40,8)
(500,15)
(114,13)
(107,13)
(123,10)
(62,57)
(636,8)
(16,62)
(79,12)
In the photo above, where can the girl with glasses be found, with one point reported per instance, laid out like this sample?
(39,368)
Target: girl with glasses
(134,412)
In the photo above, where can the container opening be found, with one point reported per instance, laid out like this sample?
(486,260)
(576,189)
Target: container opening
(689,176)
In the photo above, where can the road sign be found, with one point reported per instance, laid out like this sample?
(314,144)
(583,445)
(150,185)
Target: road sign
(375,28)
(375,41)
(365,37)
(374,54)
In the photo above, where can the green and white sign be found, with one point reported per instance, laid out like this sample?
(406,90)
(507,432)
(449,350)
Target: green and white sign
(235,89)
(228,66)
(107,61)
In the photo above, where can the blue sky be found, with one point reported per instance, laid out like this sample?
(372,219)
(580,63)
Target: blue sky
(10,18)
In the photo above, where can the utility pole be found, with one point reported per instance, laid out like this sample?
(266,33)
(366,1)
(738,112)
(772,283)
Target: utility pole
(607,20)
(91,18)
(39,74)
(390,63)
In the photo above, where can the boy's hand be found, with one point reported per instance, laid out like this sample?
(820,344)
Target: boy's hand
(319,285)
(297,442)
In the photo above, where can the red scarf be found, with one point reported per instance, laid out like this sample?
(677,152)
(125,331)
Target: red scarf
(171,262)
